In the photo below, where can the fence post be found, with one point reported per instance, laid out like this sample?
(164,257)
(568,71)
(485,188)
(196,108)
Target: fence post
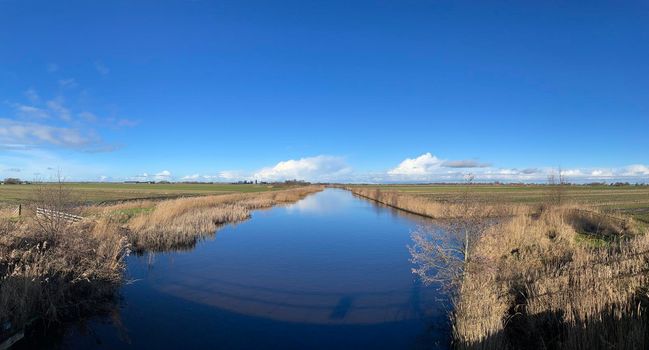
(20,209)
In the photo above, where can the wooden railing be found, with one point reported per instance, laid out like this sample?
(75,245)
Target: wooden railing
(18,211)
(57,214)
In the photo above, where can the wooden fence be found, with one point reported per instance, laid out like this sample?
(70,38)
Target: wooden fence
(18,211)
(57,214)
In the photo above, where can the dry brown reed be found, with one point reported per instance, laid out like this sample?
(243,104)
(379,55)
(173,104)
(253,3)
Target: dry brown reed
(548,277)
(53,275)
(180,223)
(431,208)
(548,282)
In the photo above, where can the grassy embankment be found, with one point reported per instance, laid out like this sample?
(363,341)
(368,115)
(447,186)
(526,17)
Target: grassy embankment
(51,269)
(631,200)
(93,193)
(573,275)
(180,223)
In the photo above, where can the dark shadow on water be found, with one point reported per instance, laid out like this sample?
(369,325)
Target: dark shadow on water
(197,327)
(341,309)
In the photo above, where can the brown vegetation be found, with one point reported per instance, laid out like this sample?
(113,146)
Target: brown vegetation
(52,268)
(180,223)
(547,283)
(554,276)
(448,209)
(56,274)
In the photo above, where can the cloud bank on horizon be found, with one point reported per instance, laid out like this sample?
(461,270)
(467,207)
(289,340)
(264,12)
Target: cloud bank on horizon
(425,168)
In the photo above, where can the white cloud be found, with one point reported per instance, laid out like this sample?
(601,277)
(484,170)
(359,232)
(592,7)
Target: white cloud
(57,106)
(601,173)
(30,112)
(14,133)
(319,168)
(465,163)
(230,175)
(164,175)
(32,96)
(429,168)
(88,116)
(425,164)
(221,176)
(636,170)
(572,173)
(193,177)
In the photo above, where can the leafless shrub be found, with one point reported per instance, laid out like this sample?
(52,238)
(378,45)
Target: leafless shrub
(443,254)
(557,185)
(55,198)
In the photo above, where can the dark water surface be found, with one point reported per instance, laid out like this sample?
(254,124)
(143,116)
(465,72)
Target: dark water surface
(331,271)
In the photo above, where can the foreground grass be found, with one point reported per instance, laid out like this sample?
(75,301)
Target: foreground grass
(58,274)
(543,276)
(562,280)
(112,192)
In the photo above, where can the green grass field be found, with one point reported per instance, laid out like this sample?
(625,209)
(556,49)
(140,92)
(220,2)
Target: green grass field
(106,192)
(632,200)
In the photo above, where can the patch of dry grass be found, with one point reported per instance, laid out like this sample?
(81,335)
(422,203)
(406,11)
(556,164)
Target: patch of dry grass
(431,208)
(545,276)
(180,223)
(537,285)
(53,275)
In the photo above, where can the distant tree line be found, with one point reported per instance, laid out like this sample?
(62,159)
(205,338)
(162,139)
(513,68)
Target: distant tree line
(12,181)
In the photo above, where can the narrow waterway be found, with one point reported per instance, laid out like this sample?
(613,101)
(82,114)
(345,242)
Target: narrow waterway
(331,271)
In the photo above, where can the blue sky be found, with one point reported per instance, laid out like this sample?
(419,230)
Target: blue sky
(328,90)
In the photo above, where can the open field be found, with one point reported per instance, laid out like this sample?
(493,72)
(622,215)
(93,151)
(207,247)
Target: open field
(633,200)
(108,192)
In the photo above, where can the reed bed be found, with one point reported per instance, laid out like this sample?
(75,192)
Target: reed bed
(538,285)
(448,209)
(54,275)
(545,276)
(181,223)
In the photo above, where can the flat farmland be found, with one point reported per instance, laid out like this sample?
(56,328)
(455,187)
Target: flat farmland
(109,192)
(632,200)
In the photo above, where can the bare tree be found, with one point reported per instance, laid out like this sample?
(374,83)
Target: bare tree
(442,253)
(53,199)
(557,185)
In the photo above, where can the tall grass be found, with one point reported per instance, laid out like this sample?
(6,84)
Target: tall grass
(539,286)
(448,209)
(180,223)
(548,277)
(55,275)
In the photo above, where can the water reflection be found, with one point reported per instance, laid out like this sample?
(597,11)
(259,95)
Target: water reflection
(326,202)
(328,271)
